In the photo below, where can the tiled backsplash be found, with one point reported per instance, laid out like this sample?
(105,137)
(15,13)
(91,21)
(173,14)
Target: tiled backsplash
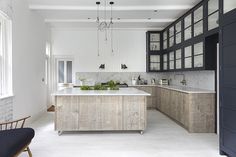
(195,79)
(98,77)
(6,109)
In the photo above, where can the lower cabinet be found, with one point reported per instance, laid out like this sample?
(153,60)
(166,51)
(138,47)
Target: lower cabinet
(194,111)
(151,100)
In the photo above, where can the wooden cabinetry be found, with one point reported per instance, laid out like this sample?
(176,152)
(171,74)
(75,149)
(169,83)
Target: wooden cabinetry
(94,113)
(195,111)
(151,100)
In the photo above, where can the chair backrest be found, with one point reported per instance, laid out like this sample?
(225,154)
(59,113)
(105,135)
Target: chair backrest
(13,124)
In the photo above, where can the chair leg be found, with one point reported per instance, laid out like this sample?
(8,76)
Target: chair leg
(29,152)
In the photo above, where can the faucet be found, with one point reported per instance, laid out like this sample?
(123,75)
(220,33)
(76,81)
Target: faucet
(183,81)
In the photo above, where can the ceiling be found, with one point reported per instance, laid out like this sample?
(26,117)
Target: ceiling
(128,14)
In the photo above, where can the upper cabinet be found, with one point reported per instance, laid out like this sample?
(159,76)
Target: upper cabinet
(186,44)
(198,21)
(213,14)
(188,27)
(153,42)
(178,32)
(171,36)
(165,40)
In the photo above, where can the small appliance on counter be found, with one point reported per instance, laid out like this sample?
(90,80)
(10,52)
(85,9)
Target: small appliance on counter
(153,81)
(134,81)
(163,82)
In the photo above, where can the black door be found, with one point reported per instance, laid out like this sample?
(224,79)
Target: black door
(228,84)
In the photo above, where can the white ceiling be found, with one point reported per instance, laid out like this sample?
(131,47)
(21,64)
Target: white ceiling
(132,13)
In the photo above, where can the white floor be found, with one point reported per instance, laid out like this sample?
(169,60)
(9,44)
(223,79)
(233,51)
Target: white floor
(163,138)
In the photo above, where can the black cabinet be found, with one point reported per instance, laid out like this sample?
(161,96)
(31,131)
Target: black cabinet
(154,46)
(188,43)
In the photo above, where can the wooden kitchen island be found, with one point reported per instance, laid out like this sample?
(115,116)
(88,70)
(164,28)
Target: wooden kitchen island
(118,110)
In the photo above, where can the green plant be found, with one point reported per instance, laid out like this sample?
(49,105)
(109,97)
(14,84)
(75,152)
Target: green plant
(100,87)
(86,88)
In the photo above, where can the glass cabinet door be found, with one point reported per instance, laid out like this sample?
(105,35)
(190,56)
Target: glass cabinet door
(198,55)
(198,21)
(171,36)
(188,27)
(165,40)
(213,14)
(178,34)
(178,59)
(188,57)
(155,42)
(155,63)
(172,61)
(165,62)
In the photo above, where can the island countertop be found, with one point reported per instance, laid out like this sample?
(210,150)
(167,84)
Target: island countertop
(120,92)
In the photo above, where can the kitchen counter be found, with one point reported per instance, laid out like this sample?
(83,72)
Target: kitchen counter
(183,89)
(120,92)
(108,110)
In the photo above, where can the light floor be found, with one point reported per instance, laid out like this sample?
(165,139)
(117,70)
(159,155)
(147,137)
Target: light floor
(163,138)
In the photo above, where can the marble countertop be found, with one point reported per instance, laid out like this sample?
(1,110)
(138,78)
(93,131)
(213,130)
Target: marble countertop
(178,88)
(121,92)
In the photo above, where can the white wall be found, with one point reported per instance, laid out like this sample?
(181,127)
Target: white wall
(29,38)
(129,46)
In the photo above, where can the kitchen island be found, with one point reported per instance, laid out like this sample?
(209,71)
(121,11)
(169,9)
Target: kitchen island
(100,110)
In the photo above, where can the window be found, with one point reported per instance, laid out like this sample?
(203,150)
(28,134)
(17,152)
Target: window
(64,71)
(5,56)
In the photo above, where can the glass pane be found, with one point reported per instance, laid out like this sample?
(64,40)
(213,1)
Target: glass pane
(172,56)
(188,21)
(188,33)
(172,65)
(165,44)
(69,71)
(154,58)
(165,35)
(154,37)
(213,5)
(165,66)
(171,41)
(229,5)
(171,31)
(178,64)
(178,38)
(198,28)
(165,57)
(155,46)
(188,51)
(155,66)
(188,62)
(213,21)
(178,27)
(61,68)
(198,61)
(198,14)
(198,48)
(178,54)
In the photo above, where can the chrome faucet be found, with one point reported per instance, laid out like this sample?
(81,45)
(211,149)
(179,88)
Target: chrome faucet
(183,81)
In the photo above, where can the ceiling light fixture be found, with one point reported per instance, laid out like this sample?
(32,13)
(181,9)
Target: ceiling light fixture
(104,25)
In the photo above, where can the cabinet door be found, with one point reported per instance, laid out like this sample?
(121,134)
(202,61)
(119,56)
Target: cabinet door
(134,109)
(158,98)
(155,63)
(67,110)
(188,57)
(154,41)
(198,55)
